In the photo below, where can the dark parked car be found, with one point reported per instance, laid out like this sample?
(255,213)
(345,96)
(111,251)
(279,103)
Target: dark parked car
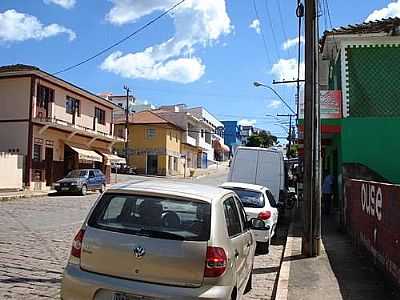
(82,181)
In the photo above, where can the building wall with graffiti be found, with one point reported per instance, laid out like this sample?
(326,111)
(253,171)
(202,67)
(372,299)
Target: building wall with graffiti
(373,218)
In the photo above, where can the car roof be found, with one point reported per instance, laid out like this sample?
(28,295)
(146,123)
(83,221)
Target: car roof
(171,188)
(247,186)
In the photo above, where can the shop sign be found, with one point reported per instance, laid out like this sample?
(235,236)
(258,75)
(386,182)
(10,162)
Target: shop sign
(330,105)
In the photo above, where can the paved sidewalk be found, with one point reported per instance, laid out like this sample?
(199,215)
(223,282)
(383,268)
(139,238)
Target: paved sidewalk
(340,273)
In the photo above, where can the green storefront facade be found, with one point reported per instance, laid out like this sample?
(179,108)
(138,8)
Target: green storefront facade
(364,64)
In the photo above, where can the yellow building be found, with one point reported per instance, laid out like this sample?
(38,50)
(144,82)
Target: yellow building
(154,144)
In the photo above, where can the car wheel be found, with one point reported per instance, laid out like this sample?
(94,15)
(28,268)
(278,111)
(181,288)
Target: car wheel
(84,190)
(249,283)
(263,248)
(103,188)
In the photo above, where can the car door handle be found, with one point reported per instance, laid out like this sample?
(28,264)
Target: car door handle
(236,254)
(248,244)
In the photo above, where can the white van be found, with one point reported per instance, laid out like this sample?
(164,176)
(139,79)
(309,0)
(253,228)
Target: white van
(259,166)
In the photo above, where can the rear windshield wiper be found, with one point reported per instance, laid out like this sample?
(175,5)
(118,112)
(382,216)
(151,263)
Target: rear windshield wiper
(161,234)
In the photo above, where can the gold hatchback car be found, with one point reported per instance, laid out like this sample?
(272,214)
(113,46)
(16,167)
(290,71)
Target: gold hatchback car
(162,240)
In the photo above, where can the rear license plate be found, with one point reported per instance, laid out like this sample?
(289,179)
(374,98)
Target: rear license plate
(64,189)
(119,296)
(122,296)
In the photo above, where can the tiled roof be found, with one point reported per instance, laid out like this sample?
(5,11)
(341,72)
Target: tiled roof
(18,67)
(385,25)
(145,117)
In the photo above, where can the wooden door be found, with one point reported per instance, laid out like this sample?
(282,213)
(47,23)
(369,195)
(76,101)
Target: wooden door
(49,165)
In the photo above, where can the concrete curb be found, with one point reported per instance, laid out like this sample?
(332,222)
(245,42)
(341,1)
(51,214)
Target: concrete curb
(22,196)
(282,288)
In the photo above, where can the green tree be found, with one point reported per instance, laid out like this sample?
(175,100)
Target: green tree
(293,151)
(263,139)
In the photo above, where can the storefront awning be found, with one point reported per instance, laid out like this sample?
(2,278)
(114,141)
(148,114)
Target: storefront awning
(114,159)
(85,154)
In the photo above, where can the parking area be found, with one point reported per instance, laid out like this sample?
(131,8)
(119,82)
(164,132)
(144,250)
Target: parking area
(35,239)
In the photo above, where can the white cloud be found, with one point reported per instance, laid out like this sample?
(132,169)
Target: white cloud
(197,22)
(392,10)
(274,104)
(245,122)
(67,4)
(293,42)
(256,25)
(286,69)
(17,27)
(143,65)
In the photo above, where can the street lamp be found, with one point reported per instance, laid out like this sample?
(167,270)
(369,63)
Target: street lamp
(258,84)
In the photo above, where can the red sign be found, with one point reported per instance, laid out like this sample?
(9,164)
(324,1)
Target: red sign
(330,105)
(373,217)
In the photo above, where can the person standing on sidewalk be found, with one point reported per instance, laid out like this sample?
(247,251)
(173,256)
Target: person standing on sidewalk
(327,192)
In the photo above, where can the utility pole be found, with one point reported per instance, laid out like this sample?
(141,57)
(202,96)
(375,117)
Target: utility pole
(126,88)
(312,197)
(300,15)
(290,127)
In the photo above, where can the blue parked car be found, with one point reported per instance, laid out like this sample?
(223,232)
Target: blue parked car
(81,181)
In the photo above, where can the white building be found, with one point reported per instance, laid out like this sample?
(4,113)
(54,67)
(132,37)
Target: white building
(216,126)
(207,130)
(133,105)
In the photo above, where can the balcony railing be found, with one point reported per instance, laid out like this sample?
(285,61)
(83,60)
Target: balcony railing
(203,144)
(65,125)
(190,140)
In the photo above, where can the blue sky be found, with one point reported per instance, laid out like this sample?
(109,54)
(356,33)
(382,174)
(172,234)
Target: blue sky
(205,54)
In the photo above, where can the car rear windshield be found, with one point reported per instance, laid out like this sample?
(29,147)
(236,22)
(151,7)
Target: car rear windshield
(250,198)
(157,217)
(76,174)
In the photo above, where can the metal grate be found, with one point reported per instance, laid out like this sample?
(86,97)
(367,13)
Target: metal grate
(373,81)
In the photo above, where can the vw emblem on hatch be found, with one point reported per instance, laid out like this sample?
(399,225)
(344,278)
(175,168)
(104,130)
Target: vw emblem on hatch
(139,252)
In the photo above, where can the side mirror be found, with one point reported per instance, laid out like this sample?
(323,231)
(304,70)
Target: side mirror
(257,224)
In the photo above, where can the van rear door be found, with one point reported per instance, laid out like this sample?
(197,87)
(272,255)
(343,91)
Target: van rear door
(269,171)
(244,166)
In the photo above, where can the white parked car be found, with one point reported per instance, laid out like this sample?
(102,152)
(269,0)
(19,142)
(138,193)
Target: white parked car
(258,202)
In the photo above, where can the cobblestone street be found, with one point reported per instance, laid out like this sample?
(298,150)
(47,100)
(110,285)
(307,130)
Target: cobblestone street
(36,235)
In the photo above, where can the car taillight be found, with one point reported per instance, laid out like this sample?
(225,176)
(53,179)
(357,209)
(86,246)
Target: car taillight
(77,244)
(264,215)
(216,262)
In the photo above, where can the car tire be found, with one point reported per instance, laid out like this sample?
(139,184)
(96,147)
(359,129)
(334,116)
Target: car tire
(273,231)
(83,190)
(249,284)
(263,248)
(103,188)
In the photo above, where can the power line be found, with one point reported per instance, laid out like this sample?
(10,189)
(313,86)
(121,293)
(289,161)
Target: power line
(324,12)
(272,27)
(197,93)
(133,34)
(330,23)
(262,34)
(281,20)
